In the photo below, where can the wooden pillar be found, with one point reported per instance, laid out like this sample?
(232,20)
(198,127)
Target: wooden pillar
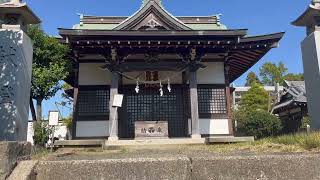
(75,101)
(228,99)
(113,114)
(195,124)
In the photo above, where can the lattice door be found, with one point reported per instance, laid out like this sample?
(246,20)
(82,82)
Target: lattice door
(149,106)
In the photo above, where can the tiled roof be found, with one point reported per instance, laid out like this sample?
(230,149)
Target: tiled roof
(295,92)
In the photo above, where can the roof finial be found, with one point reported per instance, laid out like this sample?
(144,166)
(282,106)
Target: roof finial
(144,2)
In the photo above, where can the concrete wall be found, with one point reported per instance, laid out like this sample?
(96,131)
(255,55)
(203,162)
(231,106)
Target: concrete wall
(134,169)
(15,81)
(250,167)
(311,62)
(92,129)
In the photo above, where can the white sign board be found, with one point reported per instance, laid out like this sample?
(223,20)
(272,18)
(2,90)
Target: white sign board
(117,100)
(53,118)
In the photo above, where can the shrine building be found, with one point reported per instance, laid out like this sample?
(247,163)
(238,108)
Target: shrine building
(174,72)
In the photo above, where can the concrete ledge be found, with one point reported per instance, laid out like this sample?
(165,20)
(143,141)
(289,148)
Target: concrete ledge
(277,167)
(91,142)
(24,171)
(228,139)
(146,142)
(133,169)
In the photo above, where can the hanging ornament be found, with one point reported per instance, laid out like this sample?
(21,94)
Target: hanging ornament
(161,90)
(137,89)
(169,86)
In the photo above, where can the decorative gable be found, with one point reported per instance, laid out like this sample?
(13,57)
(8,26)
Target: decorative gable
(152,17)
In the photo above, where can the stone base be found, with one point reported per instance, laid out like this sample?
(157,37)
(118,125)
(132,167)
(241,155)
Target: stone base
(84,142)
(228,139)
(10,152)
(113,138)
(146,142)
(196,136)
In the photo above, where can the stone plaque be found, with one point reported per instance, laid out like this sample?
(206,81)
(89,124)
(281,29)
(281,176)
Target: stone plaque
(151,129)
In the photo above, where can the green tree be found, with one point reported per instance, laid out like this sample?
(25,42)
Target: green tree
(49,67)
(294,77)
(272,74)
(255,99)
(251,79)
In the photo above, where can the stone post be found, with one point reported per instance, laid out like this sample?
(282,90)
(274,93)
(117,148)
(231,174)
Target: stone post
(311,59)
(16,67)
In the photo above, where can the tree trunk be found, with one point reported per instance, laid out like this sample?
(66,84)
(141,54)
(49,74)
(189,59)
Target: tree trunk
(39,110)
(33,111)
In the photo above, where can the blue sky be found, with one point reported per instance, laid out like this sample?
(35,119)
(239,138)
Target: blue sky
(260,17)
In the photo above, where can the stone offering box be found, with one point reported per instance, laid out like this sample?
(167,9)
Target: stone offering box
(151,129)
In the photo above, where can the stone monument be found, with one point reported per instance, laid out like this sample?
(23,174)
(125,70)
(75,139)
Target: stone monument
(311,59)
(15,69)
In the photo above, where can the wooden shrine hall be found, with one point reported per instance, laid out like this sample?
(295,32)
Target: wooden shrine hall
(174,72)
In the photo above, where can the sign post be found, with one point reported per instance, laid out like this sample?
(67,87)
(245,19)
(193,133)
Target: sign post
(53,121)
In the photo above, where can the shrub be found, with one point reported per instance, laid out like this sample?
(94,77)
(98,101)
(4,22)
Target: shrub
(68,122)
(41,134)
(261,124)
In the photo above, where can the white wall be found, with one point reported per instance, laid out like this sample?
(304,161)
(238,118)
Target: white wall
(212,74)
(212,126)
(311,62)
(92,129)
(92,74)
(15,83)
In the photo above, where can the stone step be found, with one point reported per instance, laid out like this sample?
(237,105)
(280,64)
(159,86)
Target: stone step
(229,139)
(87,142)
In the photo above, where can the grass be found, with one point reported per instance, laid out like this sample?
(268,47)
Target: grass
(285,143)
(298,143)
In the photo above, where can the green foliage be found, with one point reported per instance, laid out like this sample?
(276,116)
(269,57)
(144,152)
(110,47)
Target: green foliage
(252,78)
(68,122)
(305,122)
(67,100)
(49,64)
(261,124)
(294,77)
(255,99)
(271,73)
(41,134)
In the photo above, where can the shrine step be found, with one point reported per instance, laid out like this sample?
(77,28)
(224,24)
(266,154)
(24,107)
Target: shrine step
(167,141)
